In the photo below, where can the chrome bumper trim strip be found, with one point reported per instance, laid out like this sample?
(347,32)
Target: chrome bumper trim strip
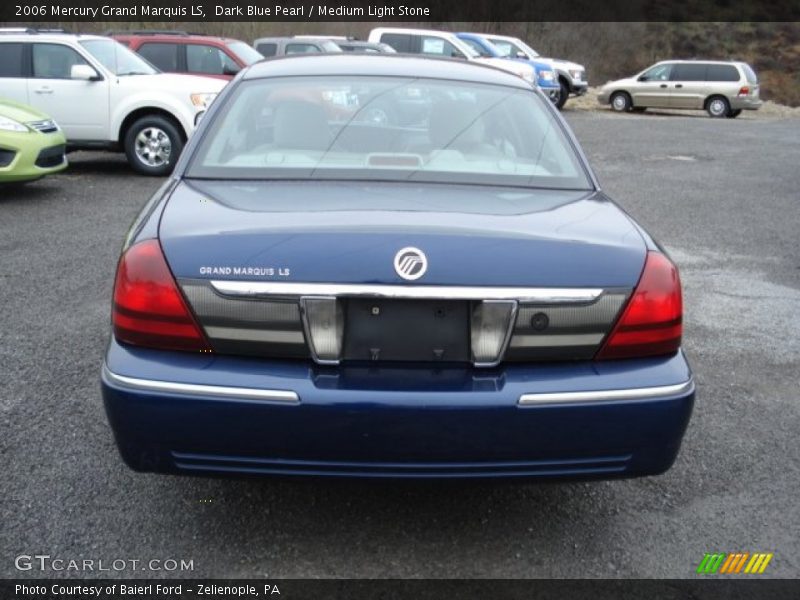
(647,393)
(419,292)
(170,387)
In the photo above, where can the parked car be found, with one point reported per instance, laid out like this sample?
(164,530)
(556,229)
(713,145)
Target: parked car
(313,294)
(365,47)
(104,96)
(545,75)
(31,143)
(721,88)
(443,44)
(279,46)
(182,52)
(571,76)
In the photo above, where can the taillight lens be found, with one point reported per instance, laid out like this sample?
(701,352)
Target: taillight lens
(743,91)
(651,323)
(148,307)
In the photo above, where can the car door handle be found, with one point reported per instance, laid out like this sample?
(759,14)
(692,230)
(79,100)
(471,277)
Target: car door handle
(677,85)
(663,85)
(43,90)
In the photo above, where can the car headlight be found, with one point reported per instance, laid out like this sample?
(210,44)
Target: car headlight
(7,124)
(576,74)
(202,100)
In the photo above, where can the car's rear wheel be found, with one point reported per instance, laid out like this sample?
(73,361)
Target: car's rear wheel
(621,102)
(717,107)
(732,114)
(562,95)
(152,145)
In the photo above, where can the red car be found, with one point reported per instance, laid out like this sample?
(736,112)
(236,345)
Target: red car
(182,52)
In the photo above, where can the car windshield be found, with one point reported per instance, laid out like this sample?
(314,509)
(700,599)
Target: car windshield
(480,50)
(387,128)
(118,59)
(246,52)
(509,48)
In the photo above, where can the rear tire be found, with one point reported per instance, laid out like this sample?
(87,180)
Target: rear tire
(621,102)
(718,107)
(732,114)
(562,95)
(153,144)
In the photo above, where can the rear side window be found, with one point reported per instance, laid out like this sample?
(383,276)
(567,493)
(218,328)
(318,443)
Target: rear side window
(267,49)
(750,74)
(54,61)
(722,73)
(399,41)
(163,56)
(10,60)
(689,72)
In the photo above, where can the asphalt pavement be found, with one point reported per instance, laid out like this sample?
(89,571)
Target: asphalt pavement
(723,196)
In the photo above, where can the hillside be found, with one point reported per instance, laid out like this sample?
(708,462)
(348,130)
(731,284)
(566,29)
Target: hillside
(608,50)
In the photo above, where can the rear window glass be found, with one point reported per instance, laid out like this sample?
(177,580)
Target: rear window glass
(722,73)
(163,56)
(10,60)
(388,128)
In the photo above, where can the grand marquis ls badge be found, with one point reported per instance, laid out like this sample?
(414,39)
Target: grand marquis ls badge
(410,263)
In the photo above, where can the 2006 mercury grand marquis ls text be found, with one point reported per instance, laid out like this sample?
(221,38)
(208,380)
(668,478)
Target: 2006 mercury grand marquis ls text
(440,292)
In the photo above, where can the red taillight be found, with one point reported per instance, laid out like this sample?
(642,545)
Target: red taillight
(744,90)
(148,307)
(651,323)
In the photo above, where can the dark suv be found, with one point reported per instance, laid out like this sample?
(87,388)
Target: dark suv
(182,52)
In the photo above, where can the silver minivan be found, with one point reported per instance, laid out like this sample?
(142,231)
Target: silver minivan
(722,88)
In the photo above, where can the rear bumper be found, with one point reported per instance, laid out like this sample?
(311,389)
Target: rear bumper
(183,413)
(745,103)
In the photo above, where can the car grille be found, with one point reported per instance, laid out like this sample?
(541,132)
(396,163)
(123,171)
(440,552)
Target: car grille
(6,157)
(50,157)
(331,325)
(46,126)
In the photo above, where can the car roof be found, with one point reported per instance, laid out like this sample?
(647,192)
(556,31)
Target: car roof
(41,36)
(390,65)
(692,61)
(172,36)
(413,31)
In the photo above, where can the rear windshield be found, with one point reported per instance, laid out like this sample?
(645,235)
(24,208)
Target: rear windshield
(389,129)
(246,52)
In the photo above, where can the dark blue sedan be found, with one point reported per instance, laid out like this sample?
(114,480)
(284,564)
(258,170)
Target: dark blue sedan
(317,292)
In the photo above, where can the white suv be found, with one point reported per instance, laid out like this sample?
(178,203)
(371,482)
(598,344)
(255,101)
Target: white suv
(103,95)
(429,42)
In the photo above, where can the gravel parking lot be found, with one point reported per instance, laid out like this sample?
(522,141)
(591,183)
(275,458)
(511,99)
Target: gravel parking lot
(721,195)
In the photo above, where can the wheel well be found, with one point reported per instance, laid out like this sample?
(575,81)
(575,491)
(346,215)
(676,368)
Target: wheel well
(562,79)
(711,97)
(144,112)
(615,92)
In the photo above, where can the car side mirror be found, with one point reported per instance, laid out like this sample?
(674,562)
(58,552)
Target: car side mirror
(228,70)
(520,54)
(642,78)
(84,73)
